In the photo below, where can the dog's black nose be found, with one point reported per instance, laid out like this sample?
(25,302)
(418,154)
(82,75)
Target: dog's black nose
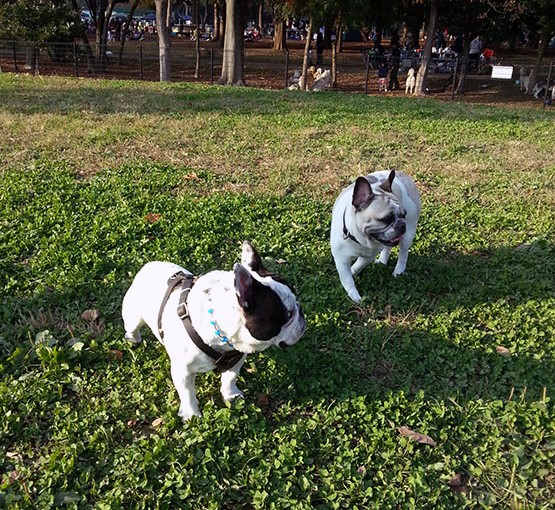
(402,227)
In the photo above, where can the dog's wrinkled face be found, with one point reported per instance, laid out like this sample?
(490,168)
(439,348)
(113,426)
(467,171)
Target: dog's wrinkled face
(270,309)
(378,213)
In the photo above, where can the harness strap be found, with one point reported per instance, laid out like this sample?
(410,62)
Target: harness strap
(223,360)
(173,281)
(346,233)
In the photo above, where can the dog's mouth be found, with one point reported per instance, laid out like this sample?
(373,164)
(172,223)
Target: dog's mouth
(388,242)
(397,228)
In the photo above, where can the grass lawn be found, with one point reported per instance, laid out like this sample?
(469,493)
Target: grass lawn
(99,177)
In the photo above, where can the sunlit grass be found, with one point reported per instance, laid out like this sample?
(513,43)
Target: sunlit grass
(460,348)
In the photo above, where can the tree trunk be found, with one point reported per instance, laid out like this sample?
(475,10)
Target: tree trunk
(463,66)
(91,63)
(334,64)
(164,38)
(101,37)
(196,18)
(280,41)
(221,36)
(261,17)
(339,35)
(534,73)
(216,33)
(102,32)
(304,75)
(233,69)
(422,76)
(125,29)
(327,35)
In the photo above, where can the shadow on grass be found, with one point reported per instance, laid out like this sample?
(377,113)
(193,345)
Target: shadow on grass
(436,328)
(467,326)
(185,99)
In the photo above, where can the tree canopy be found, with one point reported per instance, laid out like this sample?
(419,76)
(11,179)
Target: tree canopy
(39,21)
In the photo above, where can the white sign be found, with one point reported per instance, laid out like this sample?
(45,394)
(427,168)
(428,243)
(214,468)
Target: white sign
(502,72)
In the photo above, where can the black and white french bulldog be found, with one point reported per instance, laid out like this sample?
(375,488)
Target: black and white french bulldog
(213,323)
(371,216)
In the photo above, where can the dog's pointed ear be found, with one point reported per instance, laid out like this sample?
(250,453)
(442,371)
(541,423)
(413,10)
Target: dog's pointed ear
(250,257)
(386,185)
(362,194)
(247,287)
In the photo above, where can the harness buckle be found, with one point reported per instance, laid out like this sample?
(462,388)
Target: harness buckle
(182,311)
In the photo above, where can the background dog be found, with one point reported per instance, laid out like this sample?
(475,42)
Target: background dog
(322,80)
(411,82)
(232,312)
(370,217)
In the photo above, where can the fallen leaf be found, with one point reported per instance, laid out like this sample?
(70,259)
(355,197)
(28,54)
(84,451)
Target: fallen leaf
(13,476)
(263,400)
(132,422)
(458,484)
(152,218)
(117,354)
(361,470)
(90,315)
(416,436)
(157,422)
(502,350)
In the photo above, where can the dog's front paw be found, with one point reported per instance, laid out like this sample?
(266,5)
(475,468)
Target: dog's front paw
(354,295)
(187,414)
(398,270)
(134,338)
(231,394)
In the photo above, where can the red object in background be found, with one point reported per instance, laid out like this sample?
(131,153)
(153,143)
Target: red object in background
(488,53)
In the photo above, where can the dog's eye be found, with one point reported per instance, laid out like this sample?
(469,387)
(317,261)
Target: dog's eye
(390,218)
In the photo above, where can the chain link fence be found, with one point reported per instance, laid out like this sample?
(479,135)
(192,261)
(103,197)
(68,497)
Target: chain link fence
(264,68)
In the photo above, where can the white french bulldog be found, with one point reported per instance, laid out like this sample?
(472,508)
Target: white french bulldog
(371,216)
(214,322)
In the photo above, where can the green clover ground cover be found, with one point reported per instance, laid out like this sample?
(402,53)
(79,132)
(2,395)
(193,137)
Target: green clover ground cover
(98,178)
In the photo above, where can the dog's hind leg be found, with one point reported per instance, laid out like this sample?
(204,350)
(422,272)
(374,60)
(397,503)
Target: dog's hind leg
(404,246)
(132,322)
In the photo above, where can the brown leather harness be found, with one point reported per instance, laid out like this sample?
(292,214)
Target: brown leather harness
(223,360)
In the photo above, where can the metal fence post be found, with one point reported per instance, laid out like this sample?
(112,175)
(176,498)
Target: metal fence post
(211,66)
(141,61)
(286,67)
(367,73)
(75,63)
(14,56)
(547,85)
(454,84)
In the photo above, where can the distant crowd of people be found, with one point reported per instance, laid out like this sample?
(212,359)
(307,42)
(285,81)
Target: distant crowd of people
(446,48)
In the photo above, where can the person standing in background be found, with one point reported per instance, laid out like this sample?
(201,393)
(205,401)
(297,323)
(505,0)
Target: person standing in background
(474,53)
(395,62)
